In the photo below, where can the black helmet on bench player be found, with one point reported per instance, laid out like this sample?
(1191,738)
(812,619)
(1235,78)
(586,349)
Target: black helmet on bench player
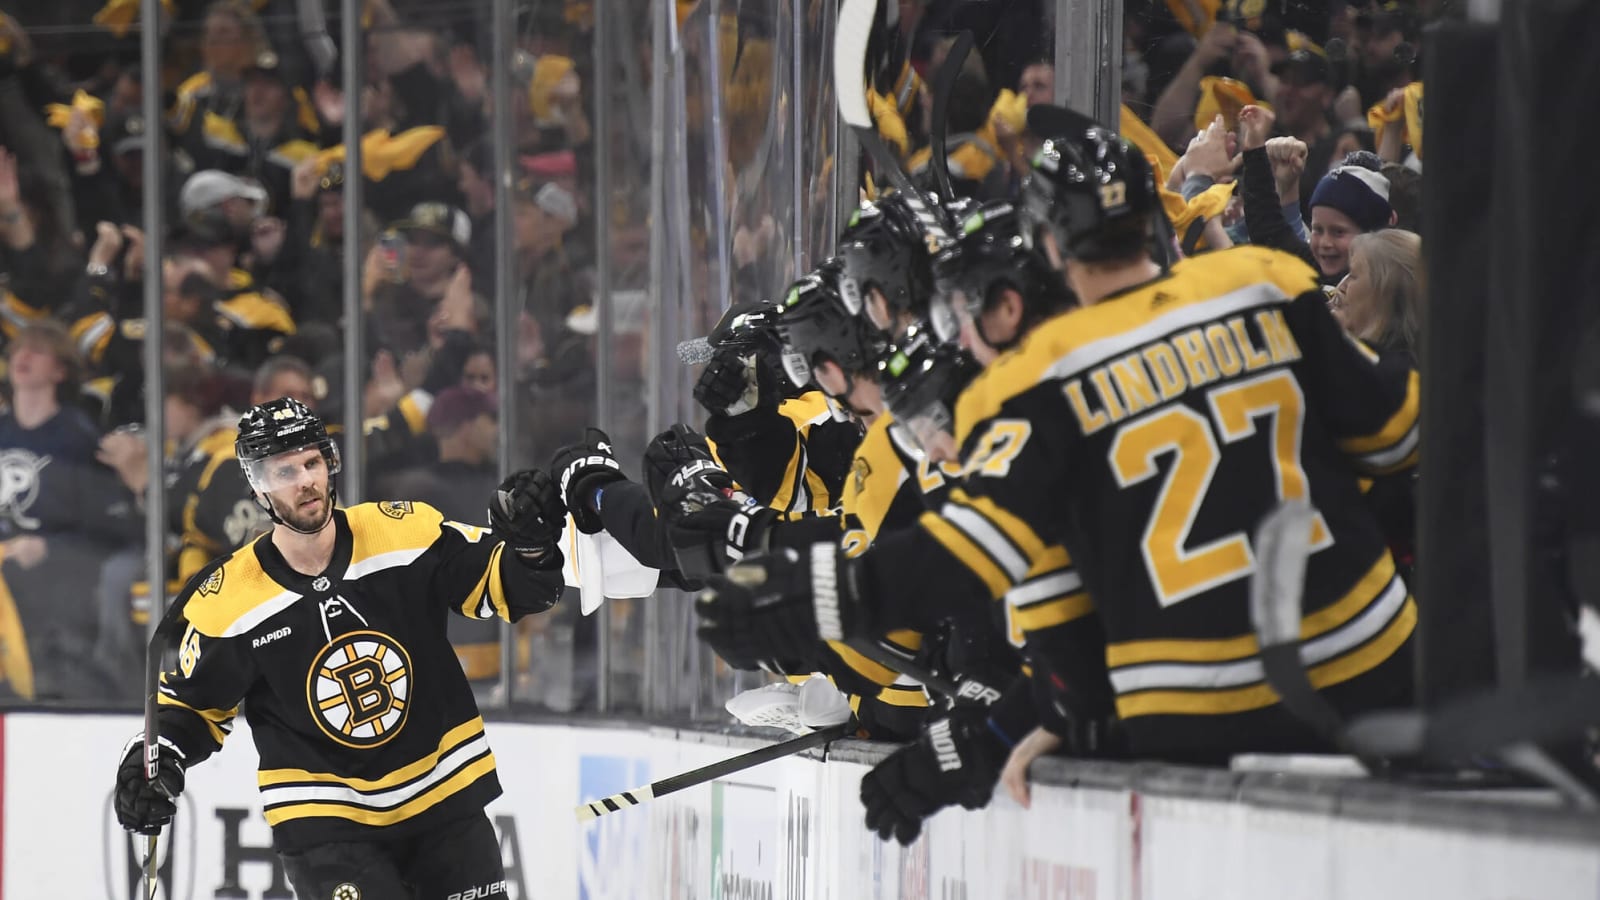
(819,322)
(922,377)
(1092,190)
(885,246)
(988,254)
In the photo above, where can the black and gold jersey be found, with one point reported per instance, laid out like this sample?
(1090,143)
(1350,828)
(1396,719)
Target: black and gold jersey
(215,511)
(1149,434)
(362,717)
(793,459)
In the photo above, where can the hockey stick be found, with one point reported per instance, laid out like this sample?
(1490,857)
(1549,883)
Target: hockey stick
(943,84)
(849,82)
(958,689)
(644,793)
(1282,547)
(152,689)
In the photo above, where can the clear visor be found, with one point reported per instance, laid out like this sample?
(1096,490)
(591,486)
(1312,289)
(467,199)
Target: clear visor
(928,430)
(292,469)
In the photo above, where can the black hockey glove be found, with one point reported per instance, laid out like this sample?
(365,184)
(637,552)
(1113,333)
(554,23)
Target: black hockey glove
(582,468)
(527,513)
(144,806)
(680,454)
(707,528)
(730,385)
(956,759)
(778,605)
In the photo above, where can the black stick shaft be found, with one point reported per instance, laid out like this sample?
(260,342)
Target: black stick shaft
(944,84)
(748,760)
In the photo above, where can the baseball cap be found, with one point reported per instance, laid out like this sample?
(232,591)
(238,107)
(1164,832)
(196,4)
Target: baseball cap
(266,63)
(1304,66)
(456,406)
(550,197)
(208,187)
(441,219)
(124,133)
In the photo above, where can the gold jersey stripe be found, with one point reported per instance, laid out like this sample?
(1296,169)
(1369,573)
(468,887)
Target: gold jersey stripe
(1370,587)
(449,787)
(1259,696)
(215,719)
(453,738)
(968,553)
(1053,612)
(1032,547)
(1398,426)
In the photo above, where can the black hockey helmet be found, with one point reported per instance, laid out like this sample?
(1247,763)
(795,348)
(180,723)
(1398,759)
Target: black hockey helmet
(275,427)
(885,246)
(749,329)
(989,253)
(1096,193)
(922,377)
(818,321)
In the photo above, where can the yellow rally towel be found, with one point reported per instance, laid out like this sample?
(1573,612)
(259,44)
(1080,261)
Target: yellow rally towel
(1409,113)
(1196,16)
(1137,133)
(1010,109)
(117,16)
(59,115)
(547,72)
(15,665)
(892,128)
(382,153)
(1226,96)
(1208,204)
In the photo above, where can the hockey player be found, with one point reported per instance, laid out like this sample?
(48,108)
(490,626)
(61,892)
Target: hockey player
(888,268)
(1149,432)
(780,443)
(331,630)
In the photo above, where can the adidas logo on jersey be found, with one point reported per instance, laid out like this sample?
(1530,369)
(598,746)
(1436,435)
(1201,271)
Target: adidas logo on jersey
(498,889)
(269,638)
(944,746)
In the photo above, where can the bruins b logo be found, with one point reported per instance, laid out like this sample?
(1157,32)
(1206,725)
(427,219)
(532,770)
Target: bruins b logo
(347,891)
(359,689)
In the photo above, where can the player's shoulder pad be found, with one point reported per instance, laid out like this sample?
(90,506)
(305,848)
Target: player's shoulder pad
(390,533)
(806,410)
(1249,264)
(232,595)
(1072,341)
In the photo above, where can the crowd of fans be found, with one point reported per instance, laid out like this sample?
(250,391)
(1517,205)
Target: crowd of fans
(250,144)
(1295,125)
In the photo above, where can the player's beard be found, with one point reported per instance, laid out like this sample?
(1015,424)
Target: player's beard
(309,520)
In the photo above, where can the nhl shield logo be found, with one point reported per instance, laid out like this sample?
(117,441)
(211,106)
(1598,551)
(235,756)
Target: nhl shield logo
(359,689)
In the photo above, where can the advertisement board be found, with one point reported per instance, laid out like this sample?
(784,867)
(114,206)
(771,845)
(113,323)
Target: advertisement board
(788,830)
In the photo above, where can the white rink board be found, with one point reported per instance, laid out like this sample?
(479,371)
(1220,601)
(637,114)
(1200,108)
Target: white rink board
(785,831)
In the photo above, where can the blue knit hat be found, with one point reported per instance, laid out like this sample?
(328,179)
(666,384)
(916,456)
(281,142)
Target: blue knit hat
(1359,193)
